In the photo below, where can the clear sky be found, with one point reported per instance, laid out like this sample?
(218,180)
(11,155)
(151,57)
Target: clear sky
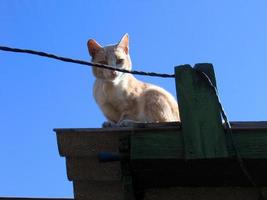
(38,94)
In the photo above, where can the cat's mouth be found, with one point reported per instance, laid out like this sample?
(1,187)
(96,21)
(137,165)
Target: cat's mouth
(113,73)
(108,75)
(115,76)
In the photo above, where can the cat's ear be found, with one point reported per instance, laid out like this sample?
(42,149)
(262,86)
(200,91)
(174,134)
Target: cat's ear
(93,47)
(124,43)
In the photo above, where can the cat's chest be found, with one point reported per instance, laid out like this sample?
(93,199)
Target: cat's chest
(115,94)
(111,94)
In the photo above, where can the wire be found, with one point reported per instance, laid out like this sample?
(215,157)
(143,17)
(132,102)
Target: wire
(81,62)
(230,133)
(227,123)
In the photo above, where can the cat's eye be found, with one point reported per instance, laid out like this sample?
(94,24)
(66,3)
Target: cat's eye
(119,61)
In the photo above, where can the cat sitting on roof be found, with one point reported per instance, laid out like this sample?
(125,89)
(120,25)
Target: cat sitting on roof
(123,99)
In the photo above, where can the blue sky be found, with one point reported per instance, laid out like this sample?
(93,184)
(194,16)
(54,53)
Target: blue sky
(38,94)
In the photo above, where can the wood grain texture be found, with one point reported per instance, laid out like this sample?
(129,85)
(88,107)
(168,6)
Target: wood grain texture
(88,143)
(89,168)
(157,154)
(157,145)
(200,113)
(251,139)
(98,190)
(251,143)
(248,125)
(136,127)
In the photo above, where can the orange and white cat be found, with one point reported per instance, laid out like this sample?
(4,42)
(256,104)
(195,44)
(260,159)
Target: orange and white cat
(123,99)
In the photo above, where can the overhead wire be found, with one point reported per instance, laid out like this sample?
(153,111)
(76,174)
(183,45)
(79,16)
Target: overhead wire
(82,62)
(153,74)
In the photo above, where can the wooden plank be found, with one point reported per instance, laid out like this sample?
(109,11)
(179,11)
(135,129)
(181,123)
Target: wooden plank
(165,126)
(88,143)
(157,145)
(89,168)
(200,114)
(251,139)
(252,144)
(155,173)
(138,127)
(98,190)
(157,159)
(251,125)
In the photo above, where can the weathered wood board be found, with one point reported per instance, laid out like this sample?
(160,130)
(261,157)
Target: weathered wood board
(200,112)
(196,152)
(157,157)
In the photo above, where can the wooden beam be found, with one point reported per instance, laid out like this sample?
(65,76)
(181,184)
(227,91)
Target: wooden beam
(157,157)
(153,173)
(202,128)
(250,137)
(251,141)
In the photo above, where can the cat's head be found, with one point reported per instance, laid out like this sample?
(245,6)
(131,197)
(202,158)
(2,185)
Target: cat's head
(114,55)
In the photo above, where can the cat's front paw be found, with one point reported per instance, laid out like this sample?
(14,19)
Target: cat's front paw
(108,124)
(128,123)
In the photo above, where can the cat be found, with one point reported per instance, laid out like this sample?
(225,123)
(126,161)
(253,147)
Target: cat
(123,99)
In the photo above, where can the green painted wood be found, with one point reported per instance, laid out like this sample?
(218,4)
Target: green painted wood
(207,68)
(200,115)
(252,144)
(157,145)
(197,172)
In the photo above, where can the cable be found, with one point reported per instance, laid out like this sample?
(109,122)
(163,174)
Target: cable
(81,62)
(230,133)
(227,124)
